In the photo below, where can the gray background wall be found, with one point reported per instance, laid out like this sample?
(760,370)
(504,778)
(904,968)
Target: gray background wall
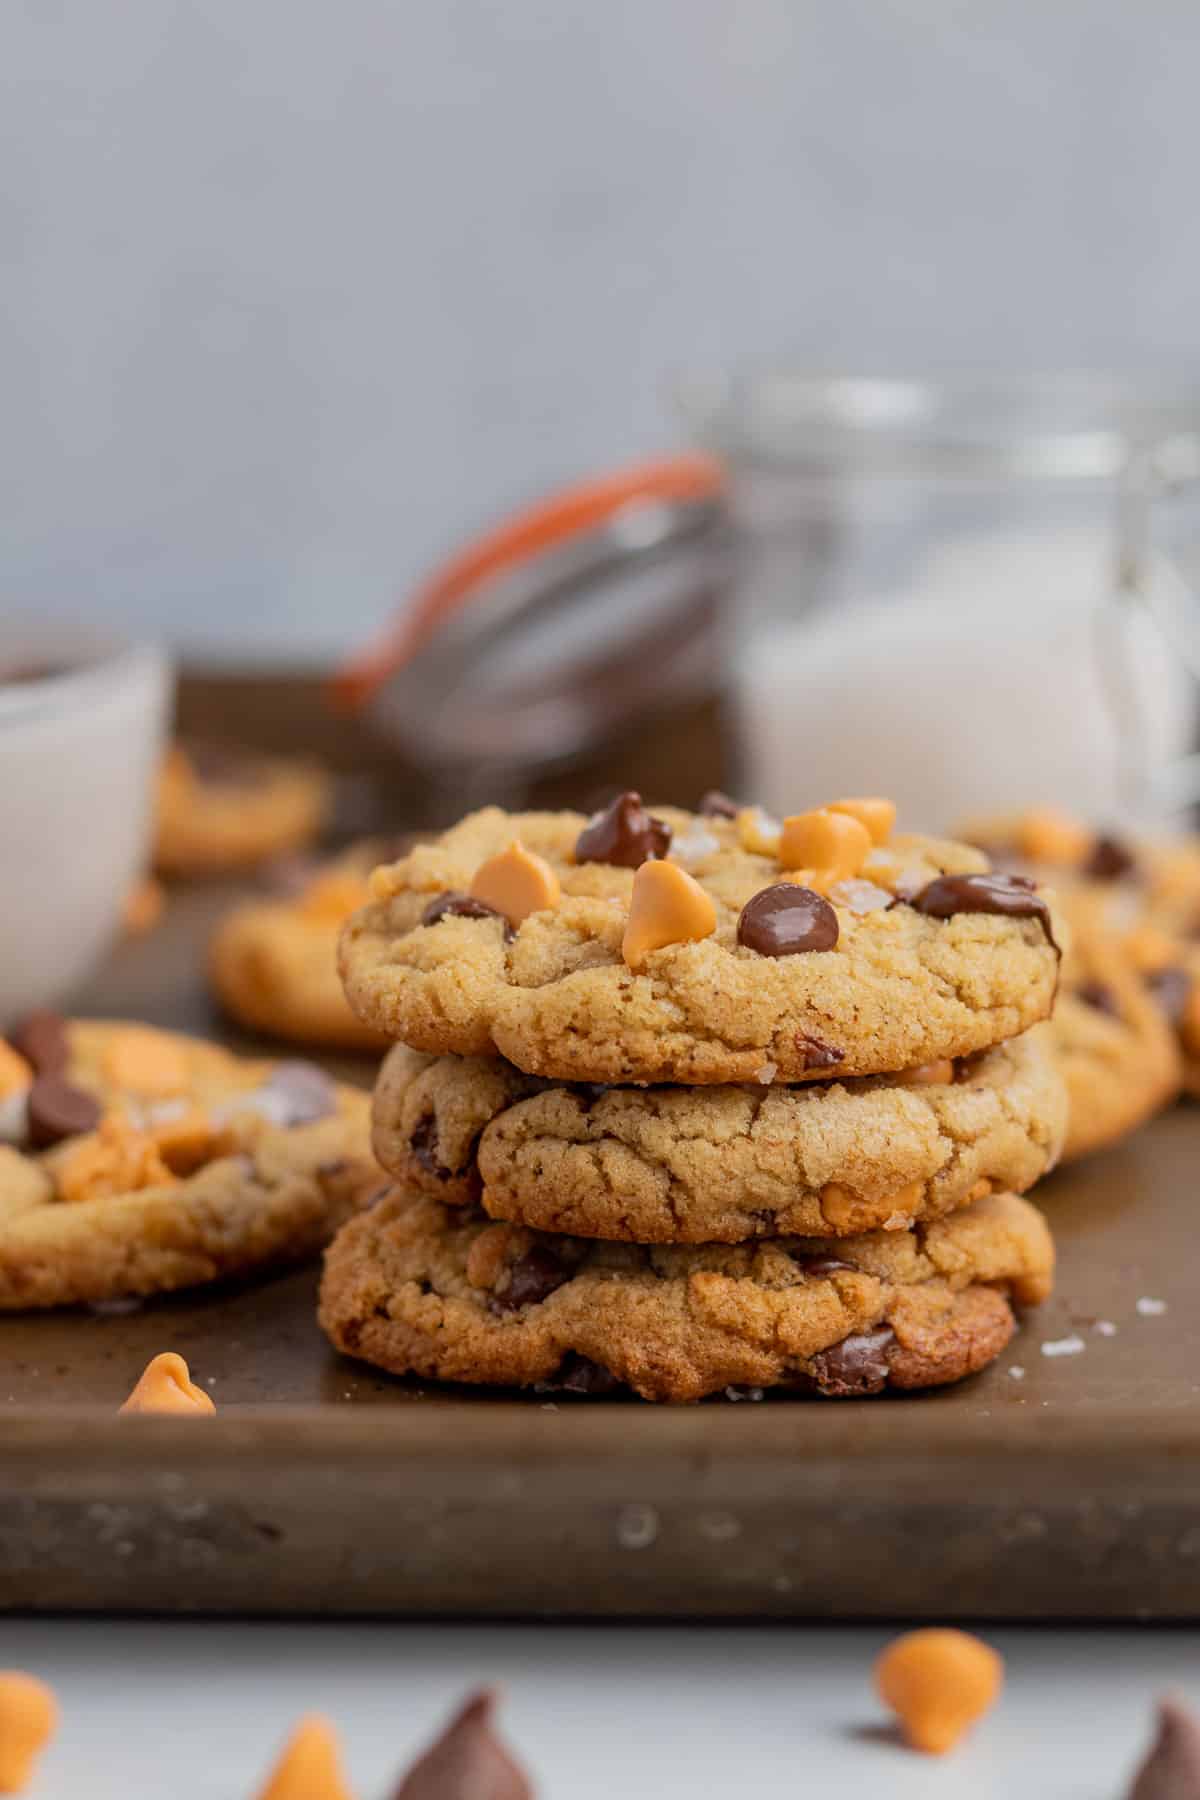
(293,292)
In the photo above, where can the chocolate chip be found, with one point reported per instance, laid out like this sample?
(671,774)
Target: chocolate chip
(785,919)
(461,906)
(424,1141)
(57,1110)
(820,1266)
(815,1054)
(1171,1770)
(858,1365)
(1109,860)
(1170,989)
(305,1091)
(1012,895)
(468,1761)
(531,1279)
(716,805)
(624,834)
(41,1038)
(580,1375)
(1100,998)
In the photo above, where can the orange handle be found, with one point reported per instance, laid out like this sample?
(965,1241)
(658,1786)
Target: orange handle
(539,527)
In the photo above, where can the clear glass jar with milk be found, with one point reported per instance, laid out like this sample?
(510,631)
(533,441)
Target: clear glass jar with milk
(975,595)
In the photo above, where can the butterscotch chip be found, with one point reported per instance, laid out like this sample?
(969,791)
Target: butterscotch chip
(674,1322)
(516,883)
(667,906)
(28,1720)
(938,1683)
(825,841)
(879,816)
(166,1386)
(309,1765)
(1046,835)
(1150,949)
(147,1063)
(15,1073)
(114,1159)
(187,1141)
(929,1074)
(899,988)
(757,831)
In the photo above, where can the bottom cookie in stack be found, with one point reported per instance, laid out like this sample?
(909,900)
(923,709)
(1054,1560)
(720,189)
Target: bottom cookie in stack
(416,1286)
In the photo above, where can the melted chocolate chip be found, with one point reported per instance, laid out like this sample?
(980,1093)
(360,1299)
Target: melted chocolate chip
(580,1375)
(1099,997)
(785,919)
(624,834)
(1170,989)
(816,1054)
(1109,860)
(58,1110)
(532,1279)
(462,906)
(820,1266)
(716,805)
(1012,895)
(468,1761)
(41,1038)
(858,1365)
(305,1091)
(424,1141)
(1171,1770)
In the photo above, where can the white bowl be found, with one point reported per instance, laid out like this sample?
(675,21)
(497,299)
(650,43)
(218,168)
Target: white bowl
(79,750)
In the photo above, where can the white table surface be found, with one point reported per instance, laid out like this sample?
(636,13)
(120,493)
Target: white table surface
(195,1711)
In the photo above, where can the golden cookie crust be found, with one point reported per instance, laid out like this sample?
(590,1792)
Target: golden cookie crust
(276,1194)
(557,999)
(723,1164)
(273,966)
(417,1287)
(208,826)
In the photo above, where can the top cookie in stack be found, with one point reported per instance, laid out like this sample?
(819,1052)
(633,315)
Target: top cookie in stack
(699,948)
(690,1100)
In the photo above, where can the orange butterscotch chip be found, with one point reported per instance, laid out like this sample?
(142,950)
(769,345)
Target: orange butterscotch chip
(28,1720)
(309,1765)
(831,843)
(516,883)
(1046,835)
(938,1682)
(758,832)
(668,906)
(166,1386)
(15,1072)
(1149,949)
(114,1159)
(879,816)
(334,896)
(934,1074)
(187,1142)
(146,1062)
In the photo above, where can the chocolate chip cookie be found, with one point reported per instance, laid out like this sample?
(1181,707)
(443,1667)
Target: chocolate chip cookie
(273,960)
(1111,1036)
(221,808)
(660,945)
(135,1161)
(720,1164)
(416,1286)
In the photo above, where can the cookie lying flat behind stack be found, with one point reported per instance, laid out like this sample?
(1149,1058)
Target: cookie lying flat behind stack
(827,1003)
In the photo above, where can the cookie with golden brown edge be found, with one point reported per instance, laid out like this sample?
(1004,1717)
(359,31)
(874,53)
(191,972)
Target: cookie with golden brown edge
(273,959)
(720,1164)
(221,808)
(707,962)
(134,1161)
(413,1286)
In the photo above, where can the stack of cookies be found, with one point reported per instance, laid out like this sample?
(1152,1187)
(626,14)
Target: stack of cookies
(686,1102)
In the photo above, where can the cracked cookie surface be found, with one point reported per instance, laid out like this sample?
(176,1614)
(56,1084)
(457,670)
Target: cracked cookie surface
(722,1164)
(413,1286)
(137,1161)
(556,997)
